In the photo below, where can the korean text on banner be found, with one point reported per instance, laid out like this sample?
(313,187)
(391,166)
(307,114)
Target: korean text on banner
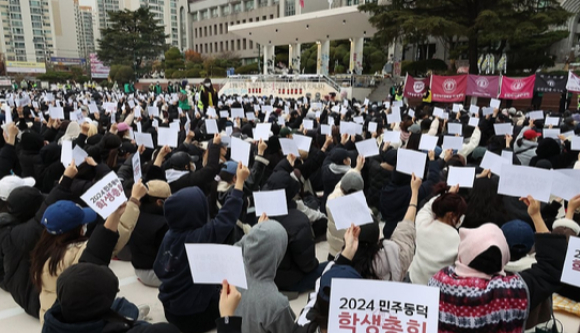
(106,195)
(571,271)
(415,88)
(356,305)
(448,88)
(517,88)
(482,86)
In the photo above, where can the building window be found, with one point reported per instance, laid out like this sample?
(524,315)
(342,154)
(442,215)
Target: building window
(249,5)
(232,48)
(239,42)
(221,46)
(205,31)
(225,10)
(227,46)
(215,47)
(194,17)
(262,3)
(214,12)
(221,28)
(244,44)
(237,8)
(251,45)
(226,27)
(210,48)
(290,9)
(210,30)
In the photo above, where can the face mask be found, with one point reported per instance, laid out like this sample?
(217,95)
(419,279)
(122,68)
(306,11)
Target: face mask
(207,85)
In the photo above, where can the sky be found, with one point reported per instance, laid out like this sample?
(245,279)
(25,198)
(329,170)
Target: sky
(87,3)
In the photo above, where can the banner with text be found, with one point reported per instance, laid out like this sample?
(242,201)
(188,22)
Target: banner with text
(573,84)
(550,83)
(98,69)
(415,88)
(448,88)
(517,88)
(482,86)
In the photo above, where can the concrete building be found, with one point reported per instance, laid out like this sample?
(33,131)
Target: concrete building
(102,16)
(34,31)
(569,47)
(165,11)
(86,31)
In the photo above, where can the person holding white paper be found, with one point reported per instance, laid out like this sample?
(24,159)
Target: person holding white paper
(263,308)
(480,270)
(65,223)
(189,306)
(333,172)
(525,145)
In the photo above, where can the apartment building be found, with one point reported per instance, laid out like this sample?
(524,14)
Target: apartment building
(86,31)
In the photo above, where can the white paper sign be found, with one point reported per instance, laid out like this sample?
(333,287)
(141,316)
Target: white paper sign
(167,137)
(564,185)
(474,109)
(428,142)
(289,147)
(535,115)
(136,161)
(571,270)
(551,133)
(352,208)
(392,137)
(325,129)
(554,121)
(66,152)
(144,139)
(494,103)
(452,142)
(372,128)
(394,117)
(493,162)
(367,298)
(213,263)
(410,161)
(240,151)
(211,126)
(56,113)
(367,148)
(438,112)
(455,128)
(521,181)
(503,129)
(575,143)
(262,131)
(473,122)
(106,195)
(508,155)
(302,142)
(462,176)
(8,114)
(238,113)
(79,155)
(308,124)
(273,203)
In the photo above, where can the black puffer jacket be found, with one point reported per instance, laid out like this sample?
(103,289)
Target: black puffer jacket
(16,247)
(300,257)
(147,236)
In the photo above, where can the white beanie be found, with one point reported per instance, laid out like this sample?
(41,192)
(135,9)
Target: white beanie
(567,223)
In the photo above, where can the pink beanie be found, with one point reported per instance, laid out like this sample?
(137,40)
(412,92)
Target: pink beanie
(475,241)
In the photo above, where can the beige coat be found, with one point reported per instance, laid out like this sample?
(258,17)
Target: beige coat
(73,254)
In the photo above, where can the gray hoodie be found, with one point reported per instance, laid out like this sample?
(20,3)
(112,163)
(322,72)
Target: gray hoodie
(263,308)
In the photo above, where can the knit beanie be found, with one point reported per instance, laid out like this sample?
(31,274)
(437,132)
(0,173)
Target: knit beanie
(352,181)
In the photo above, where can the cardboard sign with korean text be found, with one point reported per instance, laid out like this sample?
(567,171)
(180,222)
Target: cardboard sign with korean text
(106,195)
(571,271)
(375,306)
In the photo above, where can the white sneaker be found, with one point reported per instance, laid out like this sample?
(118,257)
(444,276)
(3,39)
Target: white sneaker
(144,310)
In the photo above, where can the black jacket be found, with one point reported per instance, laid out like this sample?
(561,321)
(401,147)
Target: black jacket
(16,248)
(8,159)
(201,178)
(229,325)
(147,238)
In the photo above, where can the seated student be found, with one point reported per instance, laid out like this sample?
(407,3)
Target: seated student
(189,306)
(300,267)
(86,302)
(263,307)
(149,232)
(479,270)
(437,237)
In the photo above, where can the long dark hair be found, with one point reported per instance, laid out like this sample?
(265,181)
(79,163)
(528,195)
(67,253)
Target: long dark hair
(484,204)
(51,248)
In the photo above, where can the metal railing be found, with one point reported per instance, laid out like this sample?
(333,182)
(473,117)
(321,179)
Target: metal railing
(358,81)
(285,79)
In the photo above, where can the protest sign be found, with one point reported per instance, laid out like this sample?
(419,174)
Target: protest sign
(136,161)
(350,209)
(571,271)
(105,196)
(273,203)
(213,263)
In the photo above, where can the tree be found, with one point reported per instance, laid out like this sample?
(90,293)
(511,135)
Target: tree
(132,38)
(121,73)
(194,57)
(490,26)
(173,61)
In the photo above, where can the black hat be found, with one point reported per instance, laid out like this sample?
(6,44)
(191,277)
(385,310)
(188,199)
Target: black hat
(180,160)
(86,292)
(338,155)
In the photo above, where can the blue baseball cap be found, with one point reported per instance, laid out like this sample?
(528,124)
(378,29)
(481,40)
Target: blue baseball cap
(339,272)
(63,216)
(230,167)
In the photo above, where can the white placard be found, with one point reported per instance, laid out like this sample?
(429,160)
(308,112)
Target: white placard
(131,104)
(392,137)
(359,120)
(213,263)
(473,122)
(521,181)
(325,129)
(554,121)
(144,139)
(167,137)
(367,148)
(352,208)
(302,142)
(262,131)
(106,195)
(347,128)
(136,161)
(455,128)
(564,185)
(273,203)
(308,124)
(56,113)
(571,270)
(462,176)
(224,114)
(488,111)
(211,126)
(534,115)
(575,143)
(473,109)
(289,147)
(79,155)
(503,129)
(8,114)
(494,103)
(551,133)
(428,142)
(411,113)
(367,298)
(240,151)
(153,111)
(410,161)
(250,116)
(452,142)
(394,116)
(438,112)
(372,128)
(457,107)
(493,162)
(211,112)
(66,152)
(238,113)
(137,112)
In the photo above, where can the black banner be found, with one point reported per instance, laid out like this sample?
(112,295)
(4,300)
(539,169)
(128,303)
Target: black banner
(550,83)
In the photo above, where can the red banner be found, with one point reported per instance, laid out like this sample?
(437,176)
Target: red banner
(415,88)
(517,88)
(448,88)
(482,86)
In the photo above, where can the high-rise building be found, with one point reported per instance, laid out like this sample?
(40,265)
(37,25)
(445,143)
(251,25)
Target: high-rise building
(35,31)
(165,11)
(102,19)
(86,31)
